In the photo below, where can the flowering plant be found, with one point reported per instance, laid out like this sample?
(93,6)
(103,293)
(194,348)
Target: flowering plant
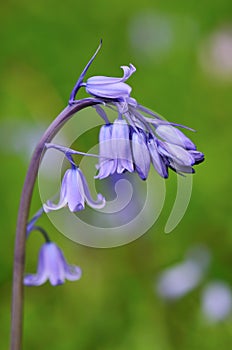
(136,140)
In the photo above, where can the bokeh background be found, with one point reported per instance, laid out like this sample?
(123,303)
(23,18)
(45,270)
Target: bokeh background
(183,54)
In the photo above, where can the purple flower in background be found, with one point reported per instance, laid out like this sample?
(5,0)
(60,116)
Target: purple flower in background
(216,301)
(74,193)
(178,280)
(52,266)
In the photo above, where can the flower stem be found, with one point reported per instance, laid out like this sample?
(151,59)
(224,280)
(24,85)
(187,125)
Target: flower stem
(24,207)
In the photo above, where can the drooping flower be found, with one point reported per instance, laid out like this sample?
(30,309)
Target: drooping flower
(74,193)
(107,165)
(141,154)
(178,157)
(173,135)
(112,88)
(115,149)
(52,266)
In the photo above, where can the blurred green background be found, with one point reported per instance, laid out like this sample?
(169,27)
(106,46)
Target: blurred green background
(183,54)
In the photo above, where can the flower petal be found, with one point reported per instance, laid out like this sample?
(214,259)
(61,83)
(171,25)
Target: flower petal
(156,159)
(72,272)
(198,156)
(99,203)
(34,279)
(41,276)
(112,91)
(107,165)
(140,154)
(54,264)
(101,80)
(128,71)
(75,190)
(48,206)
(121,147)
(105,149)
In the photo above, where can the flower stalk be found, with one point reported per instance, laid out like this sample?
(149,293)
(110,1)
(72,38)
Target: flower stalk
(23,213)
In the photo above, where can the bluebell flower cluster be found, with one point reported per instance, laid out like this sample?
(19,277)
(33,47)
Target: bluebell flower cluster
(138,137)
(133,146)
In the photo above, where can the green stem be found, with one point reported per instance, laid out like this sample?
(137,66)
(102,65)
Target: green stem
(20,240)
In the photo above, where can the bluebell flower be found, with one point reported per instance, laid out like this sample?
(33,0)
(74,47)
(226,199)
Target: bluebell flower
(141,154)
(74,193)
(173,135)
(52,266)
(114,149)
(112,88)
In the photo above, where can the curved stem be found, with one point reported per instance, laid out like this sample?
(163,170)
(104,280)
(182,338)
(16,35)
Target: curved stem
(43,232)
(20,240)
